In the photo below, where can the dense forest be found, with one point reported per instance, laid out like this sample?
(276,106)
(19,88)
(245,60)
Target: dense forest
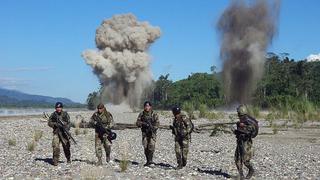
(285,81)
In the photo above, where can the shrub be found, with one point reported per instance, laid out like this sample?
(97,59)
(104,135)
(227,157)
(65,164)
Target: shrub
(77,131)
(189,108)
(37,135)
(124,165)
(31,146)
(203,110)
(12,142)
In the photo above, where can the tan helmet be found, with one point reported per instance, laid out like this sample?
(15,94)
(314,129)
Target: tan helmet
(242,110)
(100,106)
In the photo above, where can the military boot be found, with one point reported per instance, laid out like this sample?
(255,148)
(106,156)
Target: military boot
(241,176)
(151,157)
(107,157)
(250,173)
(55,156)
(68,158)
(146,153)
(184,162)
(99,162)
(55,162)
(108,152)
(148,163)
(180,165)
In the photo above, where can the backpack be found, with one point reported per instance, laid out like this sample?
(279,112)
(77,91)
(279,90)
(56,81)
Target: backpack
(255,123)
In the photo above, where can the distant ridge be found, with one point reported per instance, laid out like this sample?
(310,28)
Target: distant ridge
(13,98)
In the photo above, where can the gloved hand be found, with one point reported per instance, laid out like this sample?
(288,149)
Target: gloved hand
(145,125)
(172,128)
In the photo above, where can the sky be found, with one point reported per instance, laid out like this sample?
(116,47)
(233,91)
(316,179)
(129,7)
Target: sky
(41,41)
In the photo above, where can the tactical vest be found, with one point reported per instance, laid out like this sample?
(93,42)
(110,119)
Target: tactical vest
(147,117)
(181,127)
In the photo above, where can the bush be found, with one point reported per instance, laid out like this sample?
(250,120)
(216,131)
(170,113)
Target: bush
(37,135)
(31,146)
(124,165)
(12,142)
(254,111)
(214,116)
(275,129)
(189,108)
(203,110)
(77,131)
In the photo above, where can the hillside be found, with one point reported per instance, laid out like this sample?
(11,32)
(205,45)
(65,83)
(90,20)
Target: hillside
(13,98)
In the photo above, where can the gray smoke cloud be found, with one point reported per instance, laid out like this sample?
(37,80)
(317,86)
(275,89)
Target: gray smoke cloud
(122,62)
(246,31)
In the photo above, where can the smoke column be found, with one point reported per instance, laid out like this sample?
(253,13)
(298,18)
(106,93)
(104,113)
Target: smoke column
(121,62)
(246,30)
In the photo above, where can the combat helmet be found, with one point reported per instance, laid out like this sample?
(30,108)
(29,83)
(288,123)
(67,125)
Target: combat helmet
(242,110)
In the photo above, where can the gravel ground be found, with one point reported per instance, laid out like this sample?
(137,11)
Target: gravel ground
(290,154)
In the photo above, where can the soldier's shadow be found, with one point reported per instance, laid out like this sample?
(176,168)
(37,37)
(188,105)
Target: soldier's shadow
(132,162)
(214,172)
(85,161)
(164,166)
(160,165)
(46,160)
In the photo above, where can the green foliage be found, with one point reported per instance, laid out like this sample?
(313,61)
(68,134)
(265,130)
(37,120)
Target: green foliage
(77,131)
(198,88)
(31,146)
(285,80)
(275,129)
(189,108)
(254,111)
(37,135)
(124,165)
(214,115)
(284,83)
(93,100)
(203,110)
(160,91)
(12,142)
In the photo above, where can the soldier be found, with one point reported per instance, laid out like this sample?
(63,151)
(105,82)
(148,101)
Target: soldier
(182,128)
(148,121)
(102,121)
(245,131)
(58,121)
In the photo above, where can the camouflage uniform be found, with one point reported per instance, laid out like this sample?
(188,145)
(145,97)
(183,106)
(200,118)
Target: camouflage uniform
(59,136)
(149,137)
(182,128)
(244,153)
(101,139)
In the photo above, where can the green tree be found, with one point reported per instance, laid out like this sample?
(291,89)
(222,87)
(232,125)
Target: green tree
(92,100)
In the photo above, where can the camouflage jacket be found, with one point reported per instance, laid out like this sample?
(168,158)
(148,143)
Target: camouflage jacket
(182,127)
(148,122)
(245,131)
(53,121)
(105,118)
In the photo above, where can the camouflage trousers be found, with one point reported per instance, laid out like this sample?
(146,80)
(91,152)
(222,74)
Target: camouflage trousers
(243,154)
(182,150)
(56,148)
(102,141)
(149,144)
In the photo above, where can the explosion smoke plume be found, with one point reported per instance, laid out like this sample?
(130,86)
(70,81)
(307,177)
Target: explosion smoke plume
(246,31)
(121,62)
